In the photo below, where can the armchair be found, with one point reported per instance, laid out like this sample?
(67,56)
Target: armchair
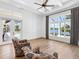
(18,44)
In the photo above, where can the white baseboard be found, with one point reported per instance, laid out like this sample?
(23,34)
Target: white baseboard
(5,43)
(10,42)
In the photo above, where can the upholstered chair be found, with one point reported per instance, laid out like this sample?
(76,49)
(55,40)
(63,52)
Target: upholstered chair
(18,44)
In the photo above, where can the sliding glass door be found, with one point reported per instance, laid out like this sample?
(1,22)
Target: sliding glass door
(60,26)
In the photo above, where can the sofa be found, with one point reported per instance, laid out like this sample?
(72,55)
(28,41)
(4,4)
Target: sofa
(32,54)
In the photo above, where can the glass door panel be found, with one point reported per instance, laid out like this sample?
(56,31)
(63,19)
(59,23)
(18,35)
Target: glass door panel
(18,29)
(62,29)
(60,26)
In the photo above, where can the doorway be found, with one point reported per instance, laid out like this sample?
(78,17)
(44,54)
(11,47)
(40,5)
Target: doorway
(10,28)
(60,26)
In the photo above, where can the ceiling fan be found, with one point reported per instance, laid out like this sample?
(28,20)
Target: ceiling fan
(44,5)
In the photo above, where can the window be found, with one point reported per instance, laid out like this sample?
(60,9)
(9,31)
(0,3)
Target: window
(60,26)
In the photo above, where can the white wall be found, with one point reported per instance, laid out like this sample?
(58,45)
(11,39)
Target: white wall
(1,30)
(44,26)
(33,25)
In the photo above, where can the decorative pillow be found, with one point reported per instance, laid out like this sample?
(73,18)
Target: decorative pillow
(26,50)
(22,42)
(29,54)
(36,50)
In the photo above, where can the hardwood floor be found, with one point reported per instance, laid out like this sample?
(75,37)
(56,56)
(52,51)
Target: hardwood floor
(65,51)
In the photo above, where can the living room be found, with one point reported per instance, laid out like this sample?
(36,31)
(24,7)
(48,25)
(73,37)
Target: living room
(39,29)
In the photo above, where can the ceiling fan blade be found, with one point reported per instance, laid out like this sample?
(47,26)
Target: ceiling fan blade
(50,5)
(46,9)
(39,8)
(45,2)
(37,4)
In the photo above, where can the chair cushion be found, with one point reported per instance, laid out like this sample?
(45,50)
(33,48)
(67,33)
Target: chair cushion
(26,49)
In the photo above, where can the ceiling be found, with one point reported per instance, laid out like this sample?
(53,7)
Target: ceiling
(23,5)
